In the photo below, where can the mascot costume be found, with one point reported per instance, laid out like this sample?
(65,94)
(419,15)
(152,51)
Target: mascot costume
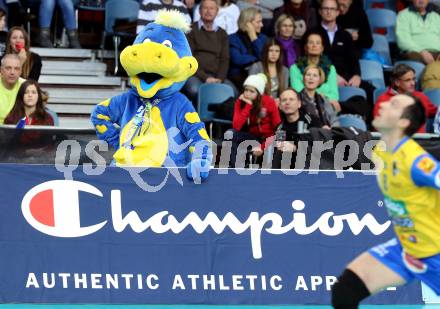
(153,124)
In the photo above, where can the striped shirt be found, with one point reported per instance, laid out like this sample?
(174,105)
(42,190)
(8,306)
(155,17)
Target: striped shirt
(149,8)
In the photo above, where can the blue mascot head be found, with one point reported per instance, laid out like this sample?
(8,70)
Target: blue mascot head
(160,60)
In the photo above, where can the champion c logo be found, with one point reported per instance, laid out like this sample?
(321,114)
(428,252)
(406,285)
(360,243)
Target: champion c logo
(53,208)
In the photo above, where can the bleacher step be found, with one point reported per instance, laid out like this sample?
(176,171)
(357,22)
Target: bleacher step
(82,68)
(79,80)
(80,96)
(73,53)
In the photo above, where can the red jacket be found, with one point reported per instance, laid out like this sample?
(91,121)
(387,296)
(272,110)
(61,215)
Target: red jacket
(270,118)
(430,108)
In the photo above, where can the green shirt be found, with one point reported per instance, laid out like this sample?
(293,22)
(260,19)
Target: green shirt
(7,99)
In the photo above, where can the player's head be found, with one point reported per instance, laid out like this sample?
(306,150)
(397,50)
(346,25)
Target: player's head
(404,113)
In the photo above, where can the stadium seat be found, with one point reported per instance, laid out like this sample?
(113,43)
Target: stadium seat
(417,66)
(56,121)
(382,47)
(372,71)
(211,94)
(346,93)
(386,4)
(122,10)
(377,93)
(383,18)
(433,95)
(355,121)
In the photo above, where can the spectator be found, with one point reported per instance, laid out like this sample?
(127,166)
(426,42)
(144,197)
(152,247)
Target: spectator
(47,8)
(266,7)
(354,20)
(246,45)
(294,120)
(256,116)
(18,43)
(210,46)
(284,33)
(15,12)
(315,104)
(29,106)
(227,17)
(10,83)
(338,45)
(313,50)
(299,10)
(3,31)
(403,81)
(418,32)
(272,66)
(149,8)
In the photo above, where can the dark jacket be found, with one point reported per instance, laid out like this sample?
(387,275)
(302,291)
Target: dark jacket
(342,53)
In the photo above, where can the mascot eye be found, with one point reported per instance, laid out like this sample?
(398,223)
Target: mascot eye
(146,40)
(167,43)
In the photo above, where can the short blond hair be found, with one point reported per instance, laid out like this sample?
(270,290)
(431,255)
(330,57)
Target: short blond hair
(280,20)
(320,70)
(247,15)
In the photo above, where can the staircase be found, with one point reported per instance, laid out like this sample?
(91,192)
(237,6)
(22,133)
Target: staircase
(76,81)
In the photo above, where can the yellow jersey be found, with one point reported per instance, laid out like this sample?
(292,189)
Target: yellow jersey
(410,179)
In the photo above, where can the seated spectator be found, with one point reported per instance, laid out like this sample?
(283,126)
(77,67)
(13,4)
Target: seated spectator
(246,45)
(284,34)
(338,45)
(272,66)
(314,103)
(256,116)
(10,83)
(210,46)
(47,8)
(149,8)
(354,20)
(418,32)
(3,32)
(29,106)
(299,10)
(227,17)
(294,120)
(266,7)
(403,81)
(313,50)
(18,43)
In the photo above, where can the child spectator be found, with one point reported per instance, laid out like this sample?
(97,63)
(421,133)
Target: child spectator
(272,66)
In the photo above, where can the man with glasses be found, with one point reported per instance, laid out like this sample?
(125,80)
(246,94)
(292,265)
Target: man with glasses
(403,81)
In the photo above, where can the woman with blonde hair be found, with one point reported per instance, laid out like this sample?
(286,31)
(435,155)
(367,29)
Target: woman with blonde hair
(246,45)
(18,43)
(284,34)
(313,102)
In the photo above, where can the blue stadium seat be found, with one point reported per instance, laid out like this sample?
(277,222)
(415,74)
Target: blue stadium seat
(114,10)
(433,95)
(383,18)
(417,66)
(382,47)
(211,94)
(387,4)
(372,71)
(348,120)
(377,93)
(346,93)
(56,121)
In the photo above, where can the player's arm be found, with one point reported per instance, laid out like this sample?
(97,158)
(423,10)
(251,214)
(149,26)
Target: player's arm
(425,171)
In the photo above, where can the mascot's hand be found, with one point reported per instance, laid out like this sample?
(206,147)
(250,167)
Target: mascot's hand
(198,170)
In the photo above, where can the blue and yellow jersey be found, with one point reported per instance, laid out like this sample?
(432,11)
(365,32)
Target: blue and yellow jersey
(410,179)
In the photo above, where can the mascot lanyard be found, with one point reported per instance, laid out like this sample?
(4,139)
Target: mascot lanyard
(141,121)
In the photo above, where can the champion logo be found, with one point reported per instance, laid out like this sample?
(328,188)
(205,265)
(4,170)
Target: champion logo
(53,208)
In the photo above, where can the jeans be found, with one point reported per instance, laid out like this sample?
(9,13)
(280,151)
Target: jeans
(46,12)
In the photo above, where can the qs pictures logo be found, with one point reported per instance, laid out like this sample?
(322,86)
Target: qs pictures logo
(53,208)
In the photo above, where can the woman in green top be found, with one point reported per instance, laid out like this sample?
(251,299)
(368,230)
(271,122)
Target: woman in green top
(313,49)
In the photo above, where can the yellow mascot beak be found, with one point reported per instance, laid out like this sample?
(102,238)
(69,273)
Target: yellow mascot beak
(153,66)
